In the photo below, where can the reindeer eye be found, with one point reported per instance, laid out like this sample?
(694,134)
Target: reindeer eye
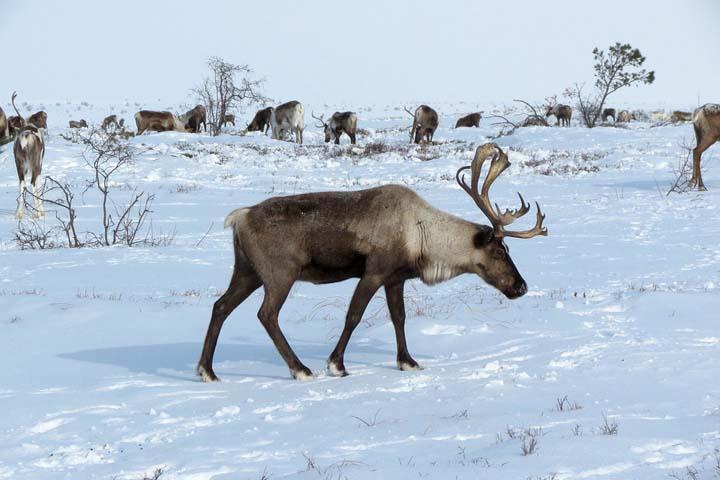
(499,253)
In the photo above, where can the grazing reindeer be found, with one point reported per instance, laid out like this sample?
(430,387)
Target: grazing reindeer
(194,118)
(472,120)
(39,119)
(425,122)
(383,236)
(227,118)
(563,114)
(76,124)
(158,122)
(339,122)
(607,113)
(289,116)
(110,120)
(261,121)
(706,122)
(624,116)
(29,150)
(680,116)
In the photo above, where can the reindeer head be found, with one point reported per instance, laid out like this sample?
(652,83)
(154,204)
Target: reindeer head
(491,257)
(324,126)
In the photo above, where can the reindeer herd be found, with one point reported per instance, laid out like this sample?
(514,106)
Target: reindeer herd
(384,236)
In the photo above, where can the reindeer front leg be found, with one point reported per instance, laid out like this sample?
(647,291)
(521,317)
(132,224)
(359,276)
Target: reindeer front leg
(396,304)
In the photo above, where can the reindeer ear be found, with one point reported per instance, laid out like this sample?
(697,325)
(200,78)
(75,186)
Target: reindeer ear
(483,237)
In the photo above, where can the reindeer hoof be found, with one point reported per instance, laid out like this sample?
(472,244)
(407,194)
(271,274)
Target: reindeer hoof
(336,370)
(206,375)
(302,375)
(408,365)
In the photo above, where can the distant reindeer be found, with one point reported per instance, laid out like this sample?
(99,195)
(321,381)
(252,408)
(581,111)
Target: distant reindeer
(77,124)
(625,116)
(471,120)
(158,122)
(110,120)
(607,113)
(563,114)
(288,117)
(339,123)
(680,116)
(228,118)
(383,236)
(261,121)
(4,127)
(29,150)
(706,122)
(425,122)
(39,119)
(192,119)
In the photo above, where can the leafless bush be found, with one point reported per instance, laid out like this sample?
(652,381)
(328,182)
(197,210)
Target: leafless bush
(564,405)
(608,427)
(529,443)
(375,148)
(221,92)
(683,170)
(35,235)
(335,471)
(368,423)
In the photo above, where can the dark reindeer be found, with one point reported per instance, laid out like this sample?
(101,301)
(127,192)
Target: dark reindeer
(261,121)
(706,122)
(339,123)
(228,118)
(192,119)
(29,150)
(110,120)
(383,236)
(425,122)
(607,113)
(77,124)
(471,120)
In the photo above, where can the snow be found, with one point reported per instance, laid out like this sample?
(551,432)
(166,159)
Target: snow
(99,345)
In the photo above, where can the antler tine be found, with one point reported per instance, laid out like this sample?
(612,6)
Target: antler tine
(320,119)
(509,216)
(538,229)
(482,153)
(409,112)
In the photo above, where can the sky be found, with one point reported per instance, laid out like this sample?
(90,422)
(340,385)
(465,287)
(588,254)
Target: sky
(354,53)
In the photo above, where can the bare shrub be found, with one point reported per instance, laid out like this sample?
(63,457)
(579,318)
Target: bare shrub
(683,171)
(564,405)
(222,92)
(529,443)
(608,427)
(35,235)
(369,422)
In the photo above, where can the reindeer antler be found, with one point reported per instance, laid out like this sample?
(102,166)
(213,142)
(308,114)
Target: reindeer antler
(320,118)
(498,219)
(409,112)
(14,94)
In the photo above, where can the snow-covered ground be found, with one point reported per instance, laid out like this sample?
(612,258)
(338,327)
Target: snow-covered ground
(99,345)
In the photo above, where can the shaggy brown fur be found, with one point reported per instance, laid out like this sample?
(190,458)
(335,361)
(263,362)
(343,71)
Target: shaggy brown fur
(425,122)
(706,122)
(563,113)
(29,150)
(157,121)
(261,121)
(472,120)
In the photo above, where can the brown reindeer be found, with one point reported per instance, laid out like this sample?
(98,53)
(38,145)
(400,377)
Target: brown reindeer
(383,236)
(607,113)
(563,114)
(110,120)
(339,123)
(625,116)
(29,150)
(158,122)
(471,120)
(4,127)
(39,119)
(261,121)
(194,118)
(77,124)
(706,122)
(425,122)
(679,116)
(228,118)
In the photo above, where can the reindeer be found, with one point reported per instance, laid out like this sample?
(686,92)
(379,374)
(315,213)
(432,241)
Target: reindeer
(607,113)
(261,121)
(471,120)
(289,116)
(194,118)
(29,150)
(425,122)
(158,122)
(563,114)
(339,122)
(227,118)
(17,121)
(383,236)
(76,124)
(4,127)
(706,122)
(680,116)
(110,120)
(39,119)
(625,116)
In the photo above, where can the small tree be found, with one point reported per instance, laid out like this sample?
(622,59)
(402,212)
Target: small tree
(222,91)
(620,67)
